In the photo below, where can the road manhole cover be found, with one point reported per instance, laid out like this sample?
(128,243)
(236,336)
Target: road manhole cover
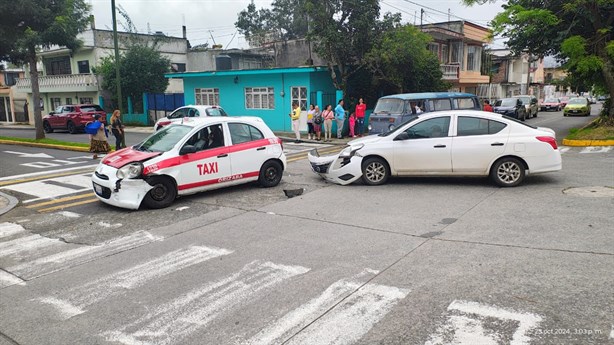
(591,192)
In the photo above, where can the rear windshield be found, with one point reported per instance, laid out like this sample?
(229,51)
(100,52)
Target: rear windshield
(389,106)
(91,108)
(506,102)
(215,112)
(552,100)
(577,101)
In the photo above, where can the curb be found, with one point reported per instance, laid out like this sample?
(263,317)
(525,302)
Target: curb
(584,143)
(49,146)
(12,202)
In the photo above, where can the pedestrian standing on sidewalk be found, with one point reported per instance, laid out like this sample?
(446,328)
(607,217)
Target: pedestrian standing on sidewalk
(117,129)
(98,137)
(328,116)
(340,118)
(295,115)
(360,111)
(318,121)
(311,134)
(352,124)
(487,106)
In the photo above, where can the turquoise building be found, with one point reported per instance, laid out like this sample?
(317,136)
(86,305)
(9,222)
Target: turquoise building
(266,93)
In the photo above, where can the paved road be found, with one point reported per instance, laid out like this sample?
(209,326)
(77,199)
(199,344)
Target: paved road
(132,138)
(417,261)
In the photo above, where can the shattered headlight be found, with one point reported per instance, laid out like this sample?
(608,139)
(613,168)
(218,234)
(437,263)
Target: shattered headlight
(132,170)
(350,151)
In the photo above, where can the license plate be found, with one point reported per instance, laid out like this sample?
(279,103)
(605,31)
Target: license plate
(98,188)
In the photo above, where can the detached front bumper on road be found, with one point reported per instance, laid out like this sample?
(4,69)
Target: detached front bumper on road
(333,168)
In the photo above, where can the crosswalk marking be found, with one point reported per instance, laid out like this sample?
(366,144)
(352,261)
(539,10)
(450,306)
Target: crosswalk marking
(40,189)
(9,229)
(77,299)
(79,255)
(596,149)
(465,325)
(175,320)
(7,279)
(20,247)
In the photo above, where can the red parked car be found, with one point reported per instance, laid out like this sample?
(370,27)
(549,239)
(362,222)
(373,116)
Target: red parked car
(72,117)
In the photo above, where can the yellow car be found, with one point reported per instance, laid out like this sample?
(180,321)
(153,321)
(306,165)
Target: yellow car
(577,106)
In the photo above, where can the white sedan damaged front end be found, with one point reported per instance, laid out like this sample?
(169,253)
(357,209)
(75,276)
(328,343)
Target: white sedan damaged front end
(123,187)
(342,168)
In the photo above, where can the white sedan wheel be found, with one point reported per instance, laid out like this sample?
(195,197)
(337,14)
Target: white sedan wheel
(375,171)
(508,172)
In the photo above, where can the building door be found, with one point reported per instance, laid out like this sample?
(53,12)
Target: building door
(4,109)
(299,95)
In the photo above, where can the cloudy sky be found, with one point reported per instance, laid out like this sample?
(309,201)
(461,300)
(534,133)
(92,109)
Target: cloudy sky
(210,21)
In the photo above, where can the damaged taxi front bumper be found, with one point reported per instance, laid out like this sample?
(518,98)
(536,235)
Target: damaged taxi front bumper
(342,168)
(125,193)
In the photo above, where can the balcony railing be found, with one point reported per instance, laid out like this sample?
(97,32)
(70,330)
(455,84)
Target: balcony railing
(450,72)
(50,83)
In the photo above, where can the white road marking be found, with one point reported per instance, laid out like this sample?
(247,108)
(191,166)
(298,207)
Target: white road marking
(468,329)
(175,320)
(81,157)
(40,189)
(596,149)
(109,225)
(29,155)
(41,165)
(364,308)
(7,279)
(182,208)
(9,229)
(69,214)
(48,172)
(19,247)
(564,149)
(82,254)
(76,299)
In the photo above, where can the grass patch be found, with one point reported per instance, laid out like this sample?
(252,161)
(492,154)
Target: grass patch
(46,141)
(592,133)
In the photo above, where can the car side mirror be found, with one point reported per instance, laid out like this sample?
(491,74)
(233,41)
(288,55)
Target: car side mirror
(187,149)
(402,136)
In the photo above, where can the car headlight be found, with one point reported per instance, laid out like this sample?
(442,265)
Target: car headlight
(369,127)
(132,170)
(391,127)
(350,151)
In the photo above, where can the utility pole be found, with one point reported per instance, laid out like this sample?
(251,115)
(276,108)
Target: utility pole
(421,15)
(117,75)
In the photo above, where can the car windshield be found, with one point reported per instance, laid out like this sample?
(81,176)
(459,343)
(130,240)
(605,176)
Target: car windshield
(524,100)
(164,139)
(551,100)
(215,112)
(91,108)
(396,129)
(389,106)
(577,101)
(506,102)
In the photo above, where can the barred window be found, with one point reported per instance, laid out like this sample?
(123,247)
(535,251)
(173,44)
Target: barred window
(259,98)
(208,96)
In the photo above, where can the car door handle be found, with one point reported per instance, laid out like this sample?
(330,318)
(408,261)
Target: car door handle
(496,144)
(261,148)
(222,155)
(439,146)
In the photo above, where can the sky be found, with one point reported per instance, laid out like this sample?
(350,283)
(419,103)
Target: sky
(212,21)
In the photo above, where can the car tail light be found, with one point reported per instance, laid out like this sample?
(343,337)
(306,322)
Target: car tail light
(281,143)
(549,140)
(164,123)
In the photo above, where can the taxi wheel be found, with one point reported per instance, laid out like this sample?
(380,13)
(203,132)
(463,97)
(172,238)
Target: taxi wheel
(507,172)
(375,171)
(270,174)
(162,194)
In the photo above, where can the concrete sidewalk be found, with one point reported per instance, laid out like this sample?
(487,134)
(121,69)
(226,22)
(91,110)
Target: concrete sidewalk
(7,203)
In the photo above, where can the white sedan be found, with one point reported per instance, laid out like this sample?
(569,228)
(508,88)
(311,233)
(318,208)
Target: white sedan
(188,113)
(199,155)
(447,143)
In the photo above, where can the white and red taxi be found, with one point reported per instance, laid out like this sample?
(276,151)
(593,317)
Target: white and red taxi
(198,155)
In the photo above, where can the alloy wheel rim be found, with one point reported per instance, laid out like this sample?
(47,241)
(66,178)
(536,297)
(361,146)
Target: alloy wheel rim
(508,172)
(375,172)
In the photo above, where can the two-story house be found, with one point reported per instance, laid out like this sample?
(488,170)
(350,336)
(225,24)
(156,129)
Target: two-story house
(65,77)
(11,101)
(509,74)
(460,46)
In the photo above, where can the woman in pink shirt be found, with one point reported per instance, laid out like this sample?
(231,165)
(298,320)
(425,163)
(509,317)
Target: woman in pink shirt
(361,108)
(328,116)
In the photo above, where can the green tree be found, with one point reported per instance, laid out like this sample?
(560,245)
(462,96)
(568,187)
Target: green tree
(285,20)
(580,32)
(402,60)
(28,25)
(142,69)
(343,32)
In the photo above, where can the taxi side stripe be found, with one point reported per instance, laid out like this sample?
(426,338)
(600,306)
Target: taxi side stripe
(218,180)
